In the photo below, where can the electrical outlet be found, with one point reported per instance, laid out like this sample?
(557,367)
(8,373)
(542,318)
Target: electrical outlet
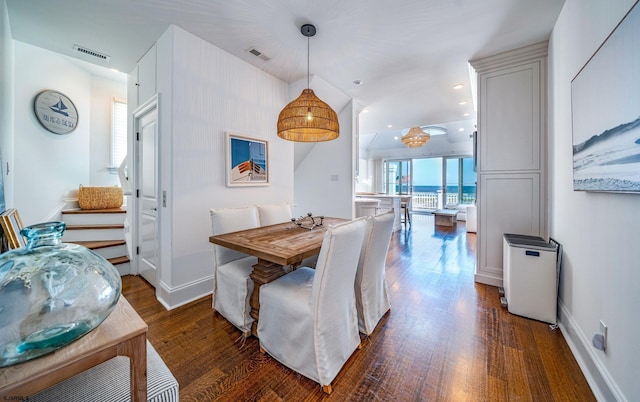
(603,331)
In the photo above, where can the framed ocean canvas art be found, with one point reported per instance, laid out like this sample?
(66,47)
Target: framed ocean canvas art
(605,108)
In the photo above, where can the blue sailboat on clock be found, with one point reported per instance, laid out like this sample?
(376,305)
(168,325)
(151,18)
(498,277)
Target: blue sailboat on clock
(59,108)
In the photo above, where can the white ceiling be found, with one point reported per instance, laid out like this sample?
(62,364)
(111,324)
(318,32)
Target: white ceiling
(408,53)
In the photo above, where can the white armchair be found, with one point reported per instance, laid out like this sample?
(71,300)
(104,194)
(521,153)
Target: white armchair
(308,318)
(372,298)
(232,286)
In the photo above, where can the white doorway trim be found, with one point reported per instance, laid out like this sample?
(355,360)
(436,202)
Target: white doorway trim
(150,105)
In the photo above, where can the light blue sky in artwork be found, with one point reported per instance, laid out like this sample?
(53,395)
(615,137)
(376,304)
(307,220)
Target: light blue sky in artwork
(242,150)
(604,94)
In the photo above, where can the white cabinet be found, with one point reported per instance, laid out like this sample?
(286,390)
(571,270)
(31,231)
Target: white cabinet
(366,207)
(387,202)
(142,80)
(511,147)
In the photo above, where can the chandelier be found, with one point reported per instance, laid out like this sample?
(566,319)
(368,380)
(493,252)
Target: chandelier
(307,118)
(415,138)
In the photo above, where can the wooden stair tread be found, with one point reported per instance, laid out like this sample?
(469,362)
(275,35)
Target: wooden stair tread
(96,244)
(118,260)
(105,226)
(94,211)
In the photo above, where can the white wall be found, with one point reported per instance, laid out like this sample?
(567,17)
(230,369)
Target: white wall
(6,104)
(47,166)
(205,92)
(103,90)
(600,279)
(325,178)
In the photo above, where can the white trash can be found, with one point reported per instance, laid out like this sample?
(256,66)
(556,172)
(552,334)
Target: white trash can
(530,277)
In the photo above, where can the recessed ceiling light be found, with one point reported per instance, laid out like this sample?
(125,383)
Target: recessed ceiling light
(462,103)
(466,114)
(357,82)
(458,86)
(389,126)
(395,138)
(461,129)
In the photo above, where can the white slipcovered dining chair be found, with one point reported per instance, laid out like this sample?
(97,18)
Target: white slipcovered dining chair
(308,318)
(232,286)
(372,298)
(272,214)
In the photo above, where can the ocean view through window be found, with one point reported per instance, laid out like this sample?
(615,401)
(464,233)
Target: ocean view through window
(424,178)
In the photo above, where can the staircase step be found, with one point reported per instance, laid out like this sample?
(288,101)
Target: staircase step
(122,264)
(100,230)
(114,216)
(119,260)
(106,248)
(75,233)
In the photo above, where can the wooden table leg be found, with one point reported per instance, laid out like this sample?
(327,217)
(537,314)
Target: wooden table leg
(136,349)
(263,272)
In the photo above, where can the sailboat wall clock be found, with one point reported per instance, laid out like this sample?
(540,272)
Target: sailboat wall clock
(55,112)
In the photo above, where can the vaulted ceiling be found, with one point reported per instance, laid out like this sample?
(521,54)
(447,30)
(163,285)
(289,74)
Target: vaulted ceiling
(408,54)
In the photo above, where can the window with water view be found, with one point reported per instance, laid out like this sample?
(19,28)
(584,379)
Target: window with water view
(433,182)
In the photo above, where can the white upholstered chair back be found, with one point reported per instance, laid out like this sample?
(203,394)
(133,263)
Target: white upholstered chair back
(232,286)
(272,214)
(308,318)
(371,286)
(227,220)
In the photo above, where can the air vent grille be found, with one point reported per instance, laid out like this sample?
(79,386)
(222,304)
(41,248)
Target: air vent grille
(92,53)
(258,53)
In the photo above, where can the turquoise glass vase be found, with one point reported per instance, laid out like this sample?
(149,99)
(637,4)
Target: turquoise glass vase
(51,293)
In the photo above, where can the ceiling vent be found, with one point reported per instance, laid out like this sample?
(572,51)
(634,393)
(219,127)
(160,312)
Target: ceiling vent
(92,53)
(258,53)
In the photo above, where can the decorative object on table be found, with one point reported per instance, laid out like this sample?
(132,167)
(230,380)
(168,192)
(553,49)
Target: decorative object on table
(51,293)
(247,161)
(56,112)
(11,227)
(307,118)
(99,197)
(605,108)
(415,138)
(309,221)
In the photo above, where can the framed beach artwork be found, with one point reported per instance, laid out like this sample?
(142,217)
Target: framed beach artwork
(605,108)
(247,161)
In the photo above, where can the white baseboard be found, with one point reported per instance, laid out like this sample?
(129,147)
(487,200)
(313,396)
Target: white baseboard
(603,386)
(178,296)
(488,280)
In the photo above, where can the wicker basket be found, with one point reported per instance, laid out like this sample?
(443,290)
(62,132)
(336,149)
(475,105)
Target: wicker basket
(99,197)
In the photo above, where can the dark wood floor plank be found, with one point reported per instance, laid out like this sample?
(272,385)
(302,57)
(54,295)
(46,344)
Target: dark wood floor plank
(446,338)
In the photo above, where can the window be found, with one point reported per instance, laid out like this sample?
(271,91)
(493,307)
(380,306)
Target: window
(118,132)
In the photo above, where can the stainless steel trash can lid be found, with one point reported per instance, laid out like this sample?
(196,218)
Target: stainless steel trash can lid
(526,241)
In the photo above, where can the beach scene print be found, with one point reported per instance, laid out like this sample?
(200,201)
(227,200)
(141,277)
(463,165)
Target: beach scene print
(605,108)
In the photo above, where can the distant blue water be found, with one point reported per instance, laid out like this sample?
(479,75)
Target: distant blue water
(433,189)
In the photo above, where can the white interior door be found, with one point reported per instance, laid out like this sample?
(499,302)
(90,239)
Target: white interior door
(146,125)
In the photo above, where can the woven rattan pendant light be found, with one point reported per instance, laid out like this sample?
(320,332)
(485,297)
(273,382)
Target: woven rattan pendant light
(415,138)
(307,118)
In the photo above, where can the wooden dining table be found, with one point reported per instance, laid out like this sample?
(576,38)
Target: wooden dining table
(276,246)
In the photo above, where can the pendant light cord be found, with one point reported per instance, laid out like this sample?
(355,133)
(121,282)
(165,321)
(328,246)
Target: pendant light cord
(307,62)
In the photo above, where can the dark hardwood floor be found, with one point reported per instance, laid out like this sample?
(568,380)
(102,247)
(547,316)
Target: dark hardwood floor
(446,338)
